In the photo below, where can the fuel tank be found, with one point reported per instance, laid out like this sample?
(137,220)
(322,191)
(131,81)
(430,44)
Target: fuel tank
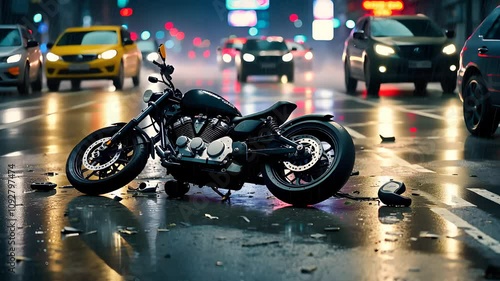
(202,101)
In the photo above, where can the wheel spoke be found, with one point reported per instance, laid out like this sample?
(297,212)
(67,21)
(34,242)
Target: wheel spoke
(91,174)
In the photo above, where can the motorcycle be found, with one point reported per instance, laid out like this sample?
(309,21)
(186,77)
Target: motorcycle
(202,139)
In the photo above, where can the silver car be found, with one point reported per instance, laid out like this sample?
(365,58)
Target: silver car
(20,59)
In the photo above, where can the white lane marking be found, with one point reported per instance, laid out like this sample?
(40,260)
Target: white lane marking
(486,194)
(389,154)
(397,107)
(354,133)
(37,117)
(453,202)
(475,233)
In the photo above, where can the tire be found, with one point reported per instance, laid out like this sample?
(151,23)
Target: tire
(36,86)
(372,85)
(24,87)
(420,87)
(133,156)
(136,80)
(481,118)
(242,77)
(175,189)
(328,173)
(449,85)
(290,76)
(53,84)
(75,84)
(119,80)
(350,83)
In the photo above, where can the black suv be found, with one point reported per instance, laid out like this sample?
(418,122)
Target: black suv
(405,48)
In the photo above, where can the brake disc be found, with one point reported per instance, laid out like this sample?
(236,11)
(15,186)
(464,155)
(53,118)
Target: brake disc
(312,146)
(93,152)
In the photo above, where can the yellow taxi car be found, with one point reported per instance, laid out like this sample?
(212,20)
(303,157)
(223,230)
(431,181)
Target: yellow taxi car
(95,52)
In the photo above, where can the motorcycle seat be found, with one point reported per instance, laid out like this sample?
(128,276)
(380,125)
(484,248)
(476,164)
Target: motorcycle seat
(281,110)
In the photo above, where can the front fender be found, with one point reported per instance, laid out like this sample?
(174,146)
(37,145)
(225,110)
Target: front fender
(144,135)
(318,117)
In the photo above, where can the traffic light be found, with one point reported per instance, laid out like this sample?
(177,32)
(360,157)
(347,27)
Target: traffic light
(126,12)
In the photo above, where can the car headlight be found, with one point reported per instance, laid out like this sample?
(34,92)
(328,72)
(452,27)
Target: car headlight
(226,58)
(52,57)
(14,58)
(308,56)
(248,57)
(450,49)
(109,54)
(384,50)
(287,57)
(153,56)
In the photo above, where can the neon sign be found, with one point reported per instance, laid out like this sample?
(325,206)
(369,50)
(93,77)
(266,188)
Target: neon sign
(383,8)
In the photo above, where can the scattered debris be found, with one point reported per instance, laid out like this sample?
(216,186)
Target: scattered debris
(355,173)
(38,232)
(394,233)
(473,176)
(260,244)
(172,225)
(50,174)
(126,231)
(391,239)
(117,198)
(185,224)
(426,234)
(90,232)
(220,238)
(43,186)
(69,230)
(211,217)
(332,228)
(414,269)
(219,263)
(67,186)
(308,269)
(245,218)
(318,235)
(22,258)
(387,139)
(492,272)
(167,256)
(163,230)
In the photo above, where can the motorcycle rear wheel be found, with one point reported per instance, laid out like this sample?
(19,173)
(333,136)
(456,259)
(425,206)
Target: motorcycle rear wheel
(315,178)
(109,170)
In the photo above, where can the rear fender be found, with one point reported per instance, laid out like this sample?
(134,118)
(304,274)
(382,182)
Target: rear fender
(309,117)
(144,135)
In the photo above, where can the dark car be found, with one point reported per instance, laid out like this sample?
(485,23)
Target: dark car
(20,59)
(269,56)
(478,77)
(405,48)
(302,55)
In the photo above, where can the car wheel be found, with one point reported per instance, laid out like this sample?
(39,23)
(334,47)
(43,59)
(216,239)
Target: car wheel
(242,77)
(448,85)
(36,86)
(119,79)
(53,84)
(137,78)
(24,87)
(420,87)
(290,76)
(372,85)
(75,84)
(350,83)
(481,118)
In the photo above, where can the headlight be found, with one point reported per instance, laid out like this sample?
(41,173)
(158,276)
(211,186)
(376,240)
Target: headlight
(147,95)
(152,56)
(52,57)
(384,50)
(308,56)
(450,49)
(109,54)
(226,58)
(287,57)
(14,58)
(248,57)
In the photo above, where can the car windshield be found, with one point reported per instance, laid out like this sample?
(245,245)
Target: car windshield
(233,45)
(404,28)
(147,46)
(264,45)
(99,37)
(10,37)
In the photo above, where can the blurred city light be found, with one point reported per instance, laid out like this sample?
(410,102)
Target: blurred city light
(293,17)
(297,23)
(336,23)
(126,12)
(197,41)
(252,31)
(160,35)
(133,36)
(121,3)
(323,9)
(247,4)
(322,30)
(242,18)
(169,25)
(180,36)
(350,24)
(169,44)
(322,26)
(145,35)
(300,38)
(382,7)
(37,18)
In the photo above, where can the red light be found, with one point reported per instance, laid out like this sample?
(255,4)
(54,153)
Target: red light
(293,17)
(180,36)
(173,32)
(413,130)
(197,41)
(206,53)
(133,36)
(192,54)
(169,25)
(126,12)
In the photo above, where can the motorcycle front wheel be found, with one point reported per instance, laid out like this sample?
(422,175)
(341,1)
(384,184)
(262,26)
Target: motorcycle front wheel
(95,172)
(316,173)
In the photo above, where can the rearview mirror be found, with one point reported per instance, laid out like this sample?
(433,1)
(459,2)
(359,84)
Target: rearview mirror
(162,51)
(360,35)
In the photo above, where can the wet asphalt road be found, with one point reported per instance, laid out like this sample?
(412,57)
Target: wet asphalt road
(450,231)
